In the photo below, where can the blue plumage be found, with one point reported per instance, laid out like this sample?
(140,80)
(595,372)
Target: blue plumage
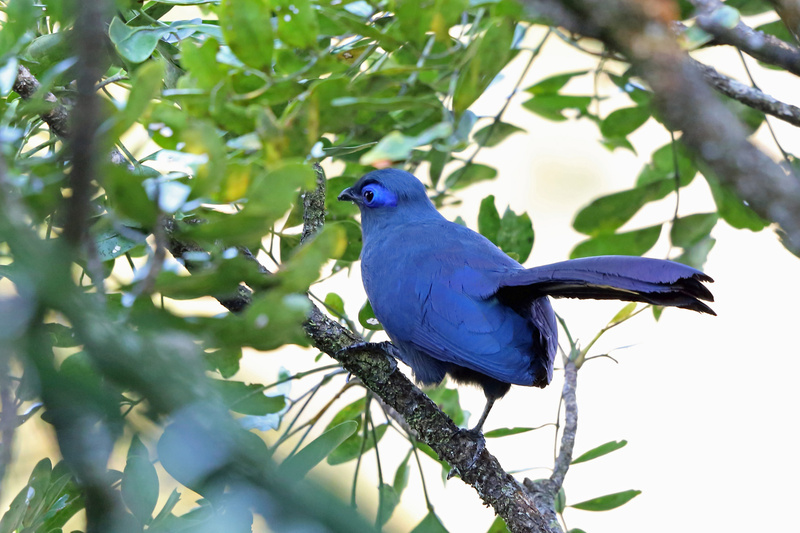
(454,303)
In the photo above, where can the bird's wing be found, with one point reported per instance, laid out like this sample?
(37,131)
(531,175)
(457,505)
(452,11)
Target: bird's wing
(440,297)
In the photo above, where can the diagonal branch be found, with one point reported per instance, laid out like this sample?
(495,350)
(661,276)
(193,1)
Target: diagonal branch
(760,45)
(710,130)
(750,96)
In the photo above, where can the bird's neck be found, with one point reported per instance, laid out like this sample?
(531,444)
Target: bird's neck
(379,223)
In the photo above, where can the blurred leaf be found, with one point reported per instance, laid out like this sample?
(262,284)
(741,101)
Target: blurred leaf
(599,451)
(731,208)
(302,269)
(61,336)
(607,502)
(777,29)
(495,133)
(111,245)
(297,22)
(430,524)
(448,401)
(622,122)
(560,500)
(608,213)
(553,84)
(635,242)
(366,317)
(662,165)
(353,446)
(139,482)
(498,526)
(248,399)
(749,7)
(146,84)
(487,57)
(396,147)
(247,27)
(552,106)
(225,360)
(466,176)
(401,475)
(299,464)
(137,43)
(387,502)
(696,254)
(688,230)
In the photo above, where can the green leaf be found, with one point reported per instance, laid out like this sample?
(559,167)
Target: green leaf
(498,526)
(401,475)
(662,165)
(111,245)
(749,7)
(552,106)
(302,269)
(560,500)
(689,230)
(777,29)
(145,85)
(137,43)
(387,502)
(696,254)
(448,401)
(608,213)
(366,317)
(248,399)
(731,208)
(622,122)
(335,303)
(353,446)
(515,236)
(139,482)
(623,313)
(297,22)
(553,84)
(495,133)
(488,55)
(396,147)
(225,360)
(247,28)
(299,464)
(601,450)
(505,432)
(488,219)
(430,524)
(607,502)
(630,243)
(465,176)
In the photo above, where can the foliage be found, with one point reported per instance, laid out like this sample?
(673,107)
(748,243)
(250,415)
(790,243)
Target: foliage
(237,100)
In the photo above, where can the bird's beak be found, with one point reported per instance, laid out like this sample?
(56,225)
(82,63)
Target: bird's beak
(347,195)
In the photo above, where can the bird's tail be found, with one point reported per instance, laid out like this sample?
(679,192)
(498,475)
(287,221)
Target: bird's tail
(613,277)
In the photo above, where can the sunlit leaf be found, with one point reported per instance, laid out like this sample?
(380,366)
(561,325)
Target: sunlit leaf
(607,502)
(599,451)
(635,242)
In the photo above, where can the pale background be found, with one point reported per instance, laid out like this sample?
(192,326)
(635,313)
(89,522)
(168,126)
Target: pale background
(707,405)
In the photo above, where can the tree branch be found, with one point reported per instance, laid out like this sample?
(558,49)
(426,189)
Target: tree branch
(710,130)
(750,96)
(760,45)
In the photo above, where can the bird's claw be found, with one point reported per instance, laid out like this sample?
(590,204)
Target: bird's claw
(477,437)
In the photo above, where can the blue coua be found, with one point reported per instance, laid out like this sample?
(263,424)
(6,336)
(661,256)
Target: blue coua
(454,303)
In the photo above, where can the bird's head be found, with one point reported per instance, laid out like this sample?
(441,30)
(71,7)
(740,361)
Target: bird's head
(383,193)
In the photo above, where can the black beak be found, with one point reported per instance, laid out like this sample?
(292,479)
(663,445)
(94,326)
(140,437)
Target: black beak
(347,195)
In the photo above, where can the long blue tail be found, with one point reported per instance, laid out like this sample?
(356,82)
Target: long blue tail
(613,277)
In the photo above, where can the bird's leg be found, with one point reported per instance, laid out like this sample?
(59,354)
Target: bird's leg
(478,429)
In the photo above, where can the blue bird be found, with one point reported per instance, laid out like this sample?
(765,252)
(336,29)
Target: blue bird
(454,303)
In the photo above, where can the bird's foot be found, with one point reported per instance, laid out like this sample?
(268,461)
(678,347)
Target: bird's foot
(474,436)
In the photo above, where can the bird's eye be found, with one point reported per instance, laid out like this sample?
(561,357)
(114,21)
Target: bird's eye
(369,196)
